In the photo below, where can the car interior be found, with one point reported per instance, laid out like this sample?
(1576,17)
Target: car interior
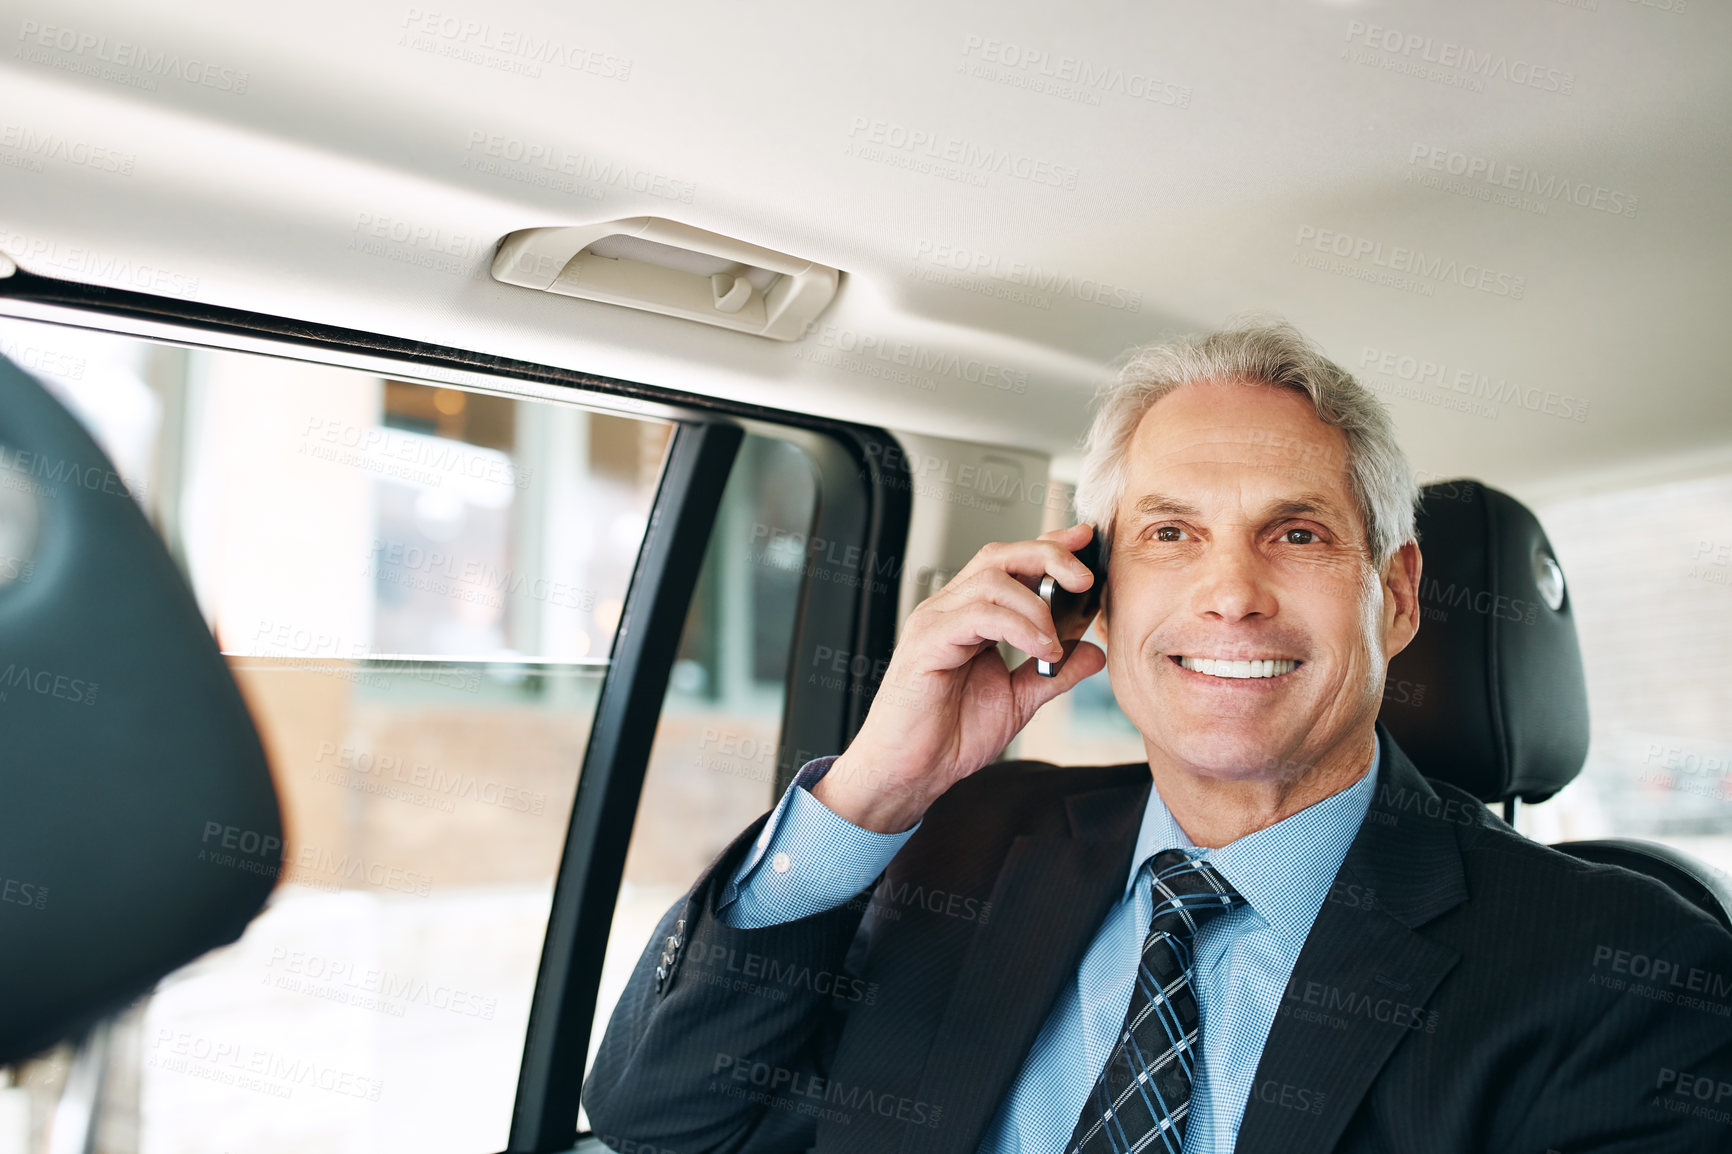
(457,465)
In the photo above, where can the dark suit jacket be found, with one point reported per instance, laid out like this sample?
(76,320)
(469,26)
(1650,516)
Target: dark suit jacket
(1463,990)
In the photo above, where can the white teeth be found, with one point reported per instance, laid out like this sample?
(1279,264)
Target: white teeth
(1222,667)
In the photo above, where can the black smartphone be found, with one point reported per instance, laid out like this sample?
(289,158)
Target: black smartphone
(1072,613)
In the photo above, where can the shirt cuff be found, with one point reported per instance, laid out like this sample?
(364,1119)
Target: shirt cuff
(807,860)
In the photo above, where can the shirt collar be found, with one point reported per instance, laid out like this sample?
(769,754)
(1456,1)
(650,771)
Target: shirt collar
(1283,871)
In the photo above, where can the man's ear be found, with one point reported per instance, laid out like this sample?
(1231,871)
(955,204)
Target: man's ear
(1401,598)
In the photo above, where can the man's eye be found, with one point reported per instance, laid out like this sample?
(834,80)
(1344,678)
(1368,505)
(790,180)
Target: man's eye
(1168,533)
(1299,536)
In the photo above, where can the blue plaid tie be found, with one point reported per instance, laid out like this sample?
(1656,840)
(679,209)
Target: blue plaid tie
(1142,1096)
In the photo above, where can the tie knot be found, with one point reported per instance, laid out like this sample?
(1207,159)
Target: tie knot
(1188,892)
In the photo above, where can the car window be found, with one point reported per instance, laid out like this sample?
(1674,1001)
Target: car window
(713,766)
(417,588)
(1649,574)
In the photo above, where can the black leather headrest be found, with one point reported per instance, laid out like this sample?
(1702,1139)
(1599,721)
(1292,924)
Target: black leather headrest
(138,824)
(1490,696)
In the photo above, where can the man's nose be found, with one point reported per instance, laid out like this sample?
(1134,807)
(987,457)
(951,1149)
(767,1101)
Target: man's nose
(1232,583)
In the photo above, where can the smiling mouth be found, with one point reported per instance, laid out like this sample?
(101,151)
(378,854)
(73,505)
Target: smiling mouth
(1254,668)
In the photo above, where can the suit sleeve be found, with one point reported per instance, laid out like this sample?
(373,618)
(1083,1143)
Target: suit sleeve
(807,859)
(1652,1073)
(724,1033)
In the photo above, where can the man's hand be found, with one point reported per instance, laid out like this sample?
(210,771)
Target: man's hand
(948,703)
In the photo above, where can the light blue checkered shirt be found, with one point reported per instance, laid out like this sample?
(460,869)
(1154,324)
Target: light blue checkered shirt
(808,859)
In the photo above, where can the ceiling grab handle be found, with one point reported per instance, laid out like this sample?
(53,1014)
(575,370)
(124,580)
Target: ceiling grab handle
(674,269)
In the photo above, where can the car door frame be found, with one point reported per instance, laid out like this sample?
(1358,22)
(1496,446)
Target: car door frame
(847,603)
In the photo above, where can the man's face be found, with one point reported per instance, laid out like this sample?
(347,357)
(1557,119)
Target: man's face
(1238,539)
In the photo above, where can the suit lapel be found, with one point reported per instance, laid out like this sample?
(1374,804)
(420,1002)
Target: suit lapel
(1051,894)
(1364,976)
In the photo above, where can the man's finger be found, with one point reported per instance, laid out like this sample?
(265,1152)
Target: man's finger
(1071,535)
(1000,588)
(962,629)
(1032,691)
(1029,560)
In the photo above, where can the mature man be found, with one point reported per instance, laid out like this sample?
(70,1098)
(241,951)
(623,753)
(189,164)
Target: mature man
(1268,950)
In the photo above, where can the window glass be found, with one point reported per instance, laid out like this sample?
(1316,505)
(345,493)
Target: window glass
(1650,585)
(712,768)
(417,589)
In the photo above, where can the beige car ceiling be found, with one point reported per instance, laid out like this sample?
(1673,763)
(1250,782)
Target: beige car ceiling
(1511,218)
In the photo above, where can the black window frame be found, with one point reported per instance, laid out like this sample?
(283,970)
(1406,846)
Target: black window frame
(848,604)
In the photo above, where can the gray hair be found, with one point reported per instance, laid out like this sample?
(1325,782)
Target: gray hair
(1261,351)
